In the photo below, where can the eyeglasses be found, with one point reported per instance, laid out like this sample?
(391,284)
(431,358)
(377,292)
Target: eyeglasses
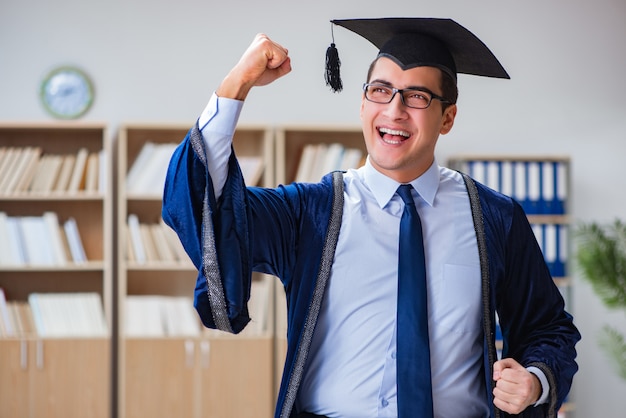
(416,98)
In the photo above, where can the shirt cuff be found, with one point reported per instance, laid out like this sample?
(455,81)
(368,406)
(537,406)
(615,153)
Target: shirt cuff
(228,110)
(545,386)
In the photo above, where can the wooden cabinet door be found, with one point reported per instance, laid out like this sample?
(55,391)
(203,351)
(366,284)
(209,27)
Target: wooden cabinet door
(159,376)
(237,381)
(71,378)
(15,396)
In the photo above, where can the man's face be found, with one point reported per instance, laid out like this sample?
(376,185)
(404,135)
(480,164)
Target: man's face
(401,140)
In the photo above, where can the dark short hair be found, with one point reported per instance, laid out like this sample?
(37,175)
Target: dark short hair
(449,89)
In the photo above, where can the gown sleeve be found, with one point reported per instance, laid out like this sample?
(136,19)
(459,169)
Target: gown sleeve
(246,229)
(189,207)
(537,330)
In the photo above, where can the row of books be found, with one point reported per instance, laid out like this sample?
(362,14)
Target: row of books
(39,241)
(320,159)
(161,316)
(152,242)
(541,187)
(53,315)
(553,240)
(27,170)
(146,175)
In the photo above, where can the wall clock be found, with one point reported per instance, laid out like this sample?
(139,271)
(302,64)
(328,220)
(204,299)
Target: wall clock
(67,92)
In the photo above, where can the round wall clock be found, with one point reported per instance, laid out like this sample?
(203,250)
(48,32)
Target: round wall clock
(67,92)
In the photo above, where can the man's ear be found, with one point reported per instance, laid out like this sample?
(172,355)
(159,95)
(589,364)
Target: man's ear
(447,121)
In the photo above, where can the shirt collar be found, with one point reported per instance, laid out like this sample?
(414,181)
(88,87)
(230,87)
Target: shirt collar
(384,187)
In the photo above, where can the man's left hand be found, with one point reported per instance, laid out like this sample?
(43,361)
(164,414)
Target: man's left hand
(516,388)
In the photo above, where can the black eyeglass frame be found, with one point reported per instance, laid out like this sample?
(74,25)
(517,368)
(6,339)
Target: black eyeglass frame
(401,91)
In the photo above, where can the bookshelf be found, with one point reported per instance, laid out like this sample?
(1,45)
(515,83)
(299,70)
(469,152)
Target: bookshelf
(44,362)
(191,372)
(541,184)
(292,142)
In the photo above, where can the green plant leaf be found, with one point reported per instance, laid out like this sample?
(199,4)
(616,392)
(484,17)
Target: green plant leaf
(614,345)
(601,257)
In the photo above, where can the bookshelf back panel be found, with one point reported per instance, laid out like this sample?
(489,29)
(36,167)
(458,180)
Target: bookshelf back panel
(53,139)
(147,210)
(19,284)
(249,142)
(171,282)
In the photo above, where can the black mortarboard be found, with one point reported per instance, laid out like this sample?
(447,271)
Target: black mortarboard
(414,42)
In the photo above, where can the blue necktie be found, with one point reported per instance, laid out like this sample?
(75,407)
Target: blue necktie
(413,352)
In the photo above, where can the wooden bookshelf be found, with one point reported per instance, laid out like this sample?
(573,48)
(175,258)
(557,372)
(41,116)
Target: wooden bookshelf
(291,141)
(42,374)
(199,374)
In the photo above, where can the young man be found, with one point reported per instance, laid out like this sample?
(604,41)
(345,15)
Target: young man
(358,345)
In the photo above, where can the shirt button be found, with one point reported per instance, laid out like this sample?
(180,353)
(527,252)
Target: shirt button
(393,355)
(384,403)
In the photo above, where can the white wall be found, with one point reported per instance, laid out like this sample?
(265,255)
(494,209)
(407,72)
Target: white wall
(158,61)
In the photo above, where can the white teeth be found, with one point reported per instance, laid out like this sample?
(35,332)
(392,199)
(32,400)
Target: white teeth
(394,132)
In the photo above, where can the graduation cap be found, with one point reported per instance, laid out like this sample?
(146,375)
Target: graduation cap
(418,42)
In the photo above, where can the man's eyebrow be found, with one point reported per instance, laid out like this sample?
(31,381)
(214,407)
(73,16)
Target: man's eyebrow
(379,81)
(387,83)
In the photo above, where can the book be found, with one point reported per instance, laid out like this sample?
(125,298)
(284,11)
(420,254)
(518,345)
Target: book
(136,239)
(352,158)
(141,161)
(26,318)
(63,180)
(11,160)
(305,163)
(6,242)
(251,169)
(53,168)
(16,249)
(91,173)
(147,175)
(6,327)
(56,242)
(3,159)
(174,243)
(37,242)
(77,178)
(23,165)
(318,162)
(74,241)
(143,316)
(130,252)
(179,316)
(78,314)
(39,177)
(149,246)
(29,170)
(330,160)
(14,312)
(163,250)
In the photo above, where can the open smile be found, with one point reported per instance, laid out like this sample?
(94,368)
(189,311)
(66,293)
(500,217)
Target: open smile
(393,136)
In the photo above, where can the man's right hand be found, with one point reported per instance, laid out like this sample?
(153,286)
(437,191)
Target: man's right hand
(263,62)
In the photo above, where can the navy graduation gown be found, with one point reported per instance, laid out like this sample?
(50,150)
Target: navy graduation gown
(284,232)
